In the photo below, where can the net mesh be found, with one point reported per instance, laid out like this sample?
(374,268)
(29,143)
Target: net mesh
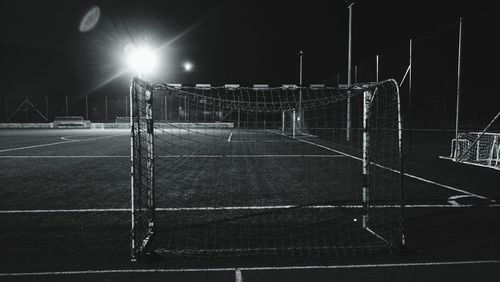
(219,171)
(479,148)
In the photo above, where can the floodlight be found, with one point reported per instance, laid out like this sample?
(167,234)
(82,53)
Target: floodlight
(141,59)
(188,66)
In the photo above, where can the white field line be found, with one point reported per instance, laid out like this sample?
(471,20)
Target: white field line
(61,157)
(70,139)
(470,163)
(394,170)
(251,156)
(453,199)
(377,235)
(417,206)
(259,268)
(36,146)
(172,156)
(445,158)
(55,143)
(62,211)
(229,138)
(261,141)
(318,145)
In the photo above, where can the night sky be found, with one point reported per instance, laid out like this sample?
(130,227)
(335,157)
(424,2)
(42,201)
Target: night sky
(44,53)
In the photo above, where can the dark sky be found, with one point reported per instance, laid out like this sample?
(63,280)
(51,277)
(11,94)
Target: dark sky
(228,41)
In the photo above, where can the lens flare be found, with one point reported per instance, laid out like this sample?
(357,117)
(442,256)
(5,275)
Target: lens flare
(90,19)
(141,59)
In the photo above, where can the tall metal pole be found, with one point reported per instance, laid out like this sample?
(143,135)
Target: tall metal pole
(47,107)
(282,121)
(239,111)
(6,109)
(185,109)
(86,108)
(457,115)
(409,97)
(165,105)
(66,99)
(126,105)
(27,110)
(300,67)
(300,91)
(376,69)
(106,107)
(349,66)
(355,74)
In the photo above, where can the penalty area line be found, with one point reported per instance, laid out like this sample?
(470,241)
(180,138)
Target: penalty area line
(252,156)
(258,268)
(228,208)
(62,211)
(60,157)
(170,156)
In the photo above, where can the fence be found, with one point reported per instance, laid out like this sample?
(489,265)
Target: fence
(45,108)
(427,69)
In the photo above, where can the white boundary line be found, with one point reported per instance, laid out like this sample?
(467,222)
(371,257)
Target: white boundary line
(68,139)
(37,146)
(55,143)
(63,211)
(470,163)
(393,170)
(60,157)
(172,156)
(262,141)
(417,206)
(259,268)
(252,156)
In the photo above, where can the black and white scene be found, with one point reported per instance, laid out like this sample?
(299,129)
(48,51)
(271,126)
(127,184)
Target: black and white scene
(219,140)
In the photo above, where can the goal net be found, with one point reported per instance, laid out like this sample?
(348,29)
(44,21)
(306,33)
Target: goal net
(236,171)
(478,148)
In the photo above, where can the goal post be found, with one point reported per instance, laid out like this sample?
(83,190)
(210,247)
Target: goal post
(367,95)
(479,148)
(272,175)
(142,168)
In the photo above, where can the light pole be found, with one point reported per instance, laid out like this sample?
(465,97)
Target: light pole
(459,73)
(300,67)
(66,105)
(349,67)
(300,117)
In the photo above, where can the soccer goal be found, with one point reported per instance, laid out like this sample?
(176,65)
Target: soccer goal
(478,148)
(237,171)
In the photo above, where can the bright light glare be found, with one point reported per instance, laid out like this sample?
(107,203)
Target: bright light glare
(141,59)
(188,66)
